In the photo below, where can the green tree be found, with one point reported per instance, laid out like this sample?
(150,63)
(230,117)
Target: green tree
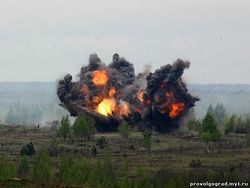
(125,131)
(84,126)
(23,168)
(209,131)
(219,113)
(42,167)
(147,140)
(64,129)
(230,124)
(210,110)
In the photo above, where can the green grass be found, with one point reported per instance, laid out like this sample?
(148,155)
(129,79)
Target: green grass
(174,152)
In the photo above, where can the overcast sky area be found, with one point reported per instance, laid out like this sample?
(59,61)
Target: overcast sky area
(43,40)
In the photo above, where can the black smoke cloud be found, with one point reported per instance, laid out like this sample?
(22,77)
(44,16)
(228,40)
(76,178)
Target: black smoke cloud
(152,97)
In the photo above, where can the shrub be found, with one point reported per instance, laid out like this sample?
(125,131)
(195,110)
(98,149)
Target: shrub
(74,171)
(23,168)
(28,149)
(194,124)
(147,136)
(7,169)
(103,174)
(42,167)
(195,163)
(65,175)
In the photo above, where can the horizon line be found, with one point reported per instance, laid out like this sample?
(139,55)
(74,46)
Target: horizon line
(12,82)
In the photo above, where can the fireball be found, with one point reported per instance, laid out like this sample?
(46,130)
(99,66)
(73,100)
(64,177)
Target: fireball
(106,107)
(100,78)
(176,109)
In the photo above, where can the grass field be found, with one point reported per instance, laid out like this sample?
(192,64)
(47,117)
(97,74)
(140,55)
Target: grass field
(173,151)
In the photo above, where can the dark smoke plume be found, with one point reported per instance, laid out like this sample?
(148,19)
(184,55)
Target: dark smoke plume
(113,93)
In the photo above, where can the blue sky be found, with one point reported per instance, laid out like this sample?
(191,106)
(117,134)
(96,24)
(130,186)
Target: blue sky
(43,40)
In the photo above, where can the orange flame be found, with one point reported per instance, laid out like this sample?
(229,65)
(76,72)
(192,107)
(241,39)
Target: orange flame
(112,92)
(176,109)
(140,95)
(100,78)
(106,107)
(123,109)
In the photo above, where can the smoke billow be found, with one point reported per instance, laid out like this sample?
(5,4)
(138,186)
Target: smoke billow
(113,93)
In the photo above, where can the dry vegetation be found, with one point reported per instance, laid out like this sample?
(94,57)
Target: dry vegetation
(173,151)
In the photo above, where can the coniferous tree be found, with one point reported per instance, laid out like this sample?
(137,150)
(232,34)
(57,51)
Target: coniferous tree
(230,124)
(209,131)
(64,130)
(84,127)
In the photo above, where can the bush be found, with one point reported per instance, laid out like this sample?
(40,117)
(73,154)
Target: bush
(195,163)
(28,149)
(74,172)
(42,167)
(23,168)
(101,142)
(65,165)
(7,169)
(103,175)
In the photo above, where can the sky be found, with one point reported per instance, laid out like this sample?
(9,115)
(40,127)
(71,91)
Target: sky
(43,40)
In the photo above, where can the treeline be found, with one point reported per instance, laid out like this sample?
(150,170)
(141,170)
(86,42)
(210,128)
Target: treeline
(76,171)
(19,114)
(217,122)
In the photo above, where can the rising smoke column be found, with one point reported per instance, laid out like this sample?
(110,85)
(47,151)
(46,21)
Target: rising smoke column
(113,93)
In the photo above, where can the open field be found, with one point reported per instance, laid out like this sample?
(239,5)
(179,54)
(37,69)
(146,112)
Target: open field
(173,151)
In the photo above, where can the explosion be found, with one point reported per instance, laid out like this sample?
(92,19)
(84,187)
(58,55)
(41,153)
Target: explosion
(106,107)
(176,109)
(113,93)
(100,78)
